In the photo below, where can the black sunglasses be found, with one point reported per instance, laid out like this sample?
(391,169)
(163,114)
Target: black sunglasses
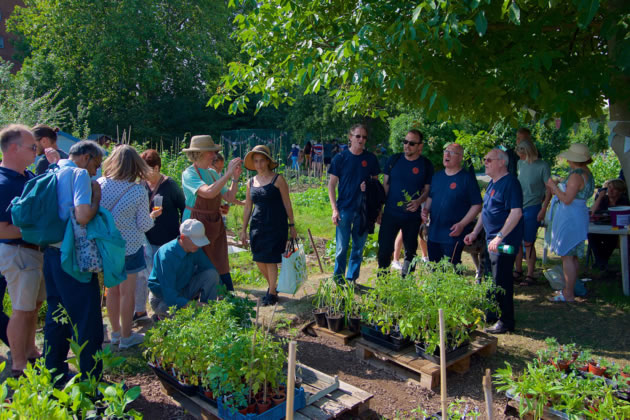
(411,142)
(359,136)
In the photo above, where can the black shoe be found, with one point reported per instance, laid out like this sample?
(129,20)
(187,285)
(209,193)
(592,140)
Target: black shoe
(142,316)
(273,299)
(498,328)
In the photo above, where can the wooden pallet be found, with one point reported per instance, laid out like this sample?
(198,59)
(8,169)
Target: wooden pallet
(342,337)
(345,399)
(481,343)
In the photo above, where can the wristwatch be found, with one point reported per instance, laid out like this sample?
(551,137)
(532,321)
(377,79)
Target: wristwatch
(500,235)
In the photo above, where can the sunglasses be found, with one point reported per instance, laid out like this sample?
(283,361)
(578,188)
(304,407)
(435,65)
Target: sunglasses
(411,143)
(359,136)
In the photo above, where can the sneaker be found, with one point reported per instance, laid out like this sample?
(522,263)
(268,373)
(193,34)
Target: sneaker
(133,340)
(115,338)
(140,316)
(396,265)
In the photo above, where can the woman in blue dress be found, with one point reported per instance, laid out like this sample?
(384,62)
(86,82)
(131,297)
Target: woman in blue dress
(569,216)
(272,217)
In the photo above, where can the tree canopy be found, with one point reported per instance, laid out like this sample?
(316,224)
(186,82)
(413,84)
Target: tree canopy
(483,59)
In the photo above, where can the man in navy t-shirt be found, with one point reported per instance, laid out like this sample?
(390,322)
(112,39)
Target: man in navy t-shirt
(406,182)
(348,172)
(501,218)
(454,202)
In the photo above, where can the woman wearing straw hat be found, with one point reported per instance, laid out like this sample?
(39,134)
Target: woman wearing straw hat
(569,216)
(269,227)
(203,193)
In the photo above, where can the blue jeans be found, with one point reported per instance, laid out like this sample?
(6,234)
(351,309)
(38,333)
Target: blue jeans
(347,226)
(82,301)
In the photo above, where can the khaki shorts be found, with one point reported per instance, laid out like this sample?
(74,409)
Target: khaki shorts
(22,268)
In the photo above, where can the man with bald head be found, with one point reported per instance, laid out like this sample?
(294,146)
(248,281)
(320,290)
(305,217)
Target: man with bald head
(20,262)
(501,218)
(454,202)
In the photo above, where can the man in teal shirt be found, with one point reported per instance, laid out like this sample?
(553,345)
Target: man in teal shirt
(182,271)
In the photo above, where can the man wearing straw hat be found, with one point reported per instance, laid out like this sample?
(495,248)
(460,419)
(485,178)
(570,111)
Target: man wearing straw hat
(203,192)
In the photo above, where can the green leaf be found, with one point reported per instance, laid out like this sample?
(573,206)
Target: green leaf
(432,100)
(425,90)
(481,23)
(588,9)
(515,13)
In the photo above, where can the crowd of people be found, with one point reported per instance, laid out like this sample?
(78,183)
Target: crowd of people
(175,243)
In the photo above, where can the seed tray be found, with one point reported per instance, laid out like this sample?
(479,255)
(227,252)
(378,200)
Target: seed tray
(275,413)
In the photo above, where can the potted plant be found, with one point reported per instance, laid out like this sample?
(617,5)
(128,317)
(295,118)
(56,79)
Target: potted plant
(351,307)
(320,301)
(335,303)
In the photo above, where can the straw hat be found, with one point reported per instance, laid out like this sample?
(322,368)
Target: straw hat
(578,152)
(202,144)
(260,149)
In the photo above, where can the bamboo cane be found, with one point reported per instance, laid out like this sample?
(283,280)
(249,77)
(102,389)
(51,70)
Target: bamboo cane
(253,346)
(315,249)
(443,365)
(487,392)
(291,380)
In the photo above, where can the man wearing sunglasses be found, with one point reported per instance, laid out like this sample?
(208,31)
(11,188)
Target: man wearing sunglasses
(407,180)
(20,262)
(502,221)
(349,170)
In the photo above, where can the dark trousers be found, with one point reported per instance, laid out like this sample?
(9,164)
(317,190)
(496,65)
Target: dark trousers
(452,251)
(603,247)
(390,225)
(501,266)
(4,319)
(82,301)
(226,279)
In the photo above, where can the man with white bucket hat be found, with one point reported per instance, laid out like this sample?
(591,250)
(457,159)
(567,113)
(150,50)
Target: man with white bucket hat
(181,270)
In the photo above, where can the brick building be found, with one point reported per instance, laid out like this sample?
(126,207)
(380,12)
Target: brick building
(6,46)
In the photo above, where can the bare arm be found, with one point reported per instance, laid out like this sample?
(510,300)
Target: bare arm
(86,212)
(415,204)
(332,186)
(574,185)
(459,227)
(472,236)
(246,213)
(214,189)
(386,184)
(508,226)
(9,231)
(282,185)
(598,202)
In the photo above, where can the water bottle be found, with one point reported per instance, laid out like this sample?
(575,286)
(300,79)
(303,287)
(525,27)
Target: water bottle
(506,249)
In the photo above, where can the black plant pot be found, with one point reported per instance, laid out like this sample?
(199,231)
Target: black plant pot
(320,317)
(335,322)
(354,324)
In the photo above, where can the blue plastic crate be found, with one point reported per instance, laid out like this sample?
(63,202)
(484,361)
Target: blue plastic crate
(275,413)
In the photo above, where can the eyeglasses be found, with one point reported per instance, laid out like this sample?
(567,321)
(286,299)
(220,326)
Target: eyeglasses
(411,143)
(451,152)
(33,147)
(488,160)
(359,136)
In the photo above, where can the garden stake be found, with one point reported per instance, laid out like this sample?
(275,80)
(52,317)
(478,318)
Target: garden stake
(315,249)
(264,341)
(253,345)
(443,365)
(291,380)
(487,392)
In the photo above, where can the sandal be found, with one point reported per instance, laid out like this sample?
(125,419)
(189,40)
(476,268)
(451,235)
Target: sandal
(559,298)
(516,275)
(528,281)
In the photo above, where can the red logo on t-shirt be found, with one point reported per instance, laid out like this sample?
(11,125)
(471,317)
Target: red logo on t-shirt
(453,185)
(415,171)
(492,193)
(364,163)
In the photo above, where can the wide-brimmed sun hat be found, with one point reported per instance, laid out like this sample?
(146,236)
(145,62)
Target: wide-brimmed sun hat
(578,152)
(202,143)
(194,229)
(260,149)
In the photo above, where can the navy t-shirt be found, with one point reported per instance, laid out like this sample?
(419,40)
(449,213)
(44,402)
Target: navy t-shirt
(451,198)
(11,186)
(41,165)
(406,176)
(500,198)
(352,170)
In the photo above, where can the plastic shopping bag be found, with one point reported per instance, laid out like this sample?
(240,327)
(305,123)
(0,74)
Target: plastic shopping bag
(293,272)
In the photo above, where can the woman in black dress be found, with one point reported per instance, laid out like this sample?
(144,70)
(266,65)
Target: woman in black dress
(272,218)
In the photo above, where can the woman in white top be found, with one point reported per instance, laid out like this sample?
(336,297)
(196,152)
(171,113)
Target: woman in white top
(129,204)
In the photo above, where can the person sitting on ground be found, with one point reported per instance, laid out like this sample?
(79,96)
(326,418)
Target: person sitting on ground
(182,271)
(613,193)
(45,138)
